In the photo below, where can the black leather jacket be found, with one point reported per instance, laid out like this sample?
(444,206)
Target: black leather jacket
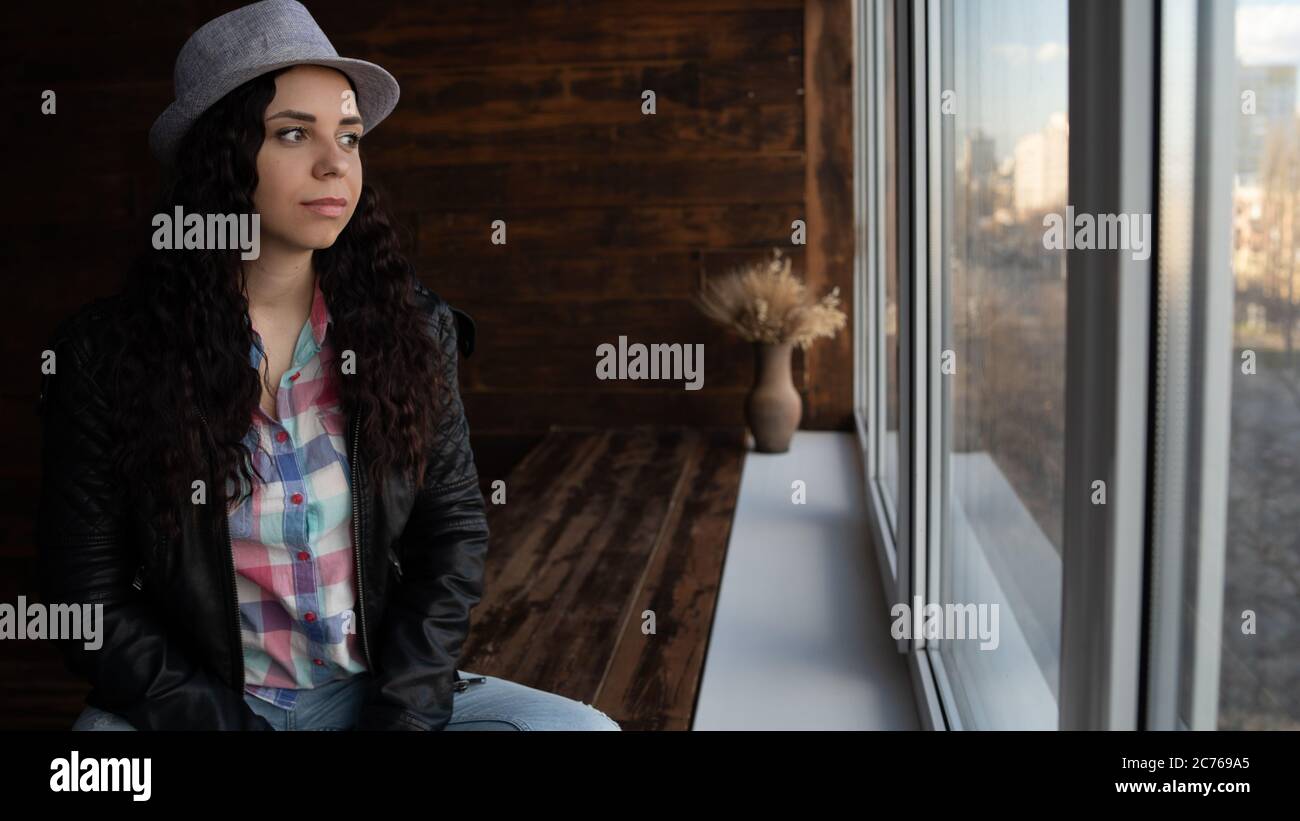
(172,656)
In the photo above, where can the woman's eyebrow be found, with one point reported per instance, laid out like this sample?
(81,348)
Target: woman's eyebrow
(290,114)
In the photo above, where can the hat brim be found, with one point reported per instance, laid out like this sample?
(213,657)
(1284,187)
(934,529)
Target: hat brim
(377,95)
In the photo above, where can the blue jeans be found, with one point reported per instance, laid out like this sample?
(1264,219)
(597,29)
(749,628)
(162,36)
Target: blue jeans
(493,704)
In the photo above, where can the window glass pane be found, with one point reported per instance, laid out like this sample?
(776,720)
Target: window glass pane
(889,448)
(1004,166)
(1259,685)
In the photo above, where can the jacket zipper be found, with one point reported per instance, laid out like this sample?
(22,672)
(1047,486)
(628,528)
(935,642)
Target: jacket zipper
(234,595)
(237,648)
(356,535)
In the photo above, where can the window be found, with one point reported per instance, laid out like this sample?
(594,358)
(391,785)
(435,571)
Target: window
(889,266)
(1004,165)
(1260,664)
(1100,441)
(881,171)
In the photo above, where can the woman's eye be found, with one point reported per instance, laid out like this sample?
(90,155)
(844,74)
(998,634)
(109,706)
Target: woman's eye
(298,134)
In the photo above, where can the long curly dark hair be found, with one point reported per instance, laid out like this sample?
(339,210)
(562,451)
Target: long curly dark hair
(181,372)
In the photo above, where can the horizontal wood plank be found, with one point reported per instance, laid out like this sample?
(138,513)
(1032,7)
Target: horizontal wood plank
(597,527)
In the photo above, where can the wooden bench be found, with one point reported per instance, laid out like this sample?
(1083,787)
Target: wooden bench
(599,527)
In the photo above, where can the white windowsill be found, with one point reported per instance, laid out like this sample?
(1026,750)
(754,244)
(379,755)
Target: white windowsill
(800,637)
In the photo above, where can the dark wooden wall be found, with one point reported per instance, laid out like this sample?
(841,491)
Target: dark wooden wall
(527,112)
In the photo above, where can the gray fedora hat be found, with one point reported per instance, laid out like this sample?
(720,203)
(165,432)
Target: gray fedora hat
(247,42)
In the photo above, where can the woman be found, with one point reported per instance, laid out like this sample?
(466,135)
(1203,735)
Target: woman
(255,456)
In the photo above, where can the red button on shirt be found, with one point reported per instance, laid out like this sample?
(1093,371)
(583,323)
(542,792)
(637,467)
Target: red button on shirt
(281,436)
(303,555)
(294,378)
(296,498)
(310,617)
(318,662)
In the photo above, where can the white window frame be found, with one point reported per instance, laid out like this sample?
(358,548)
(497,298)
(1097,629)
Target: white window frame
(1112,170)
(894,527)
(1192,405)
(1119,662)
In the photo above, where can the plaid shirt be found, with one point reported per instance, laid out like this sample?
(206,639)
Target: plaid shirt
(294,569)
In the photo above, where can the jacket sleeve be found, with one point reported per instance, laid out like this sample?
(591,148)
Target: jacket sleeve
(444,545)
(84,557)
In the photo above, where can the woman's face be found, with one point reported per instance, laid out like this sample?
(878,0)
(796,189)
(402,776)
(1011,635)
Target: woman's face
(309,166)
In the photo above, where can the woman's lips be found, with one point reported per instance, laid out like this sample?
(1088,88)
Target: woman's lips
(327,206)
